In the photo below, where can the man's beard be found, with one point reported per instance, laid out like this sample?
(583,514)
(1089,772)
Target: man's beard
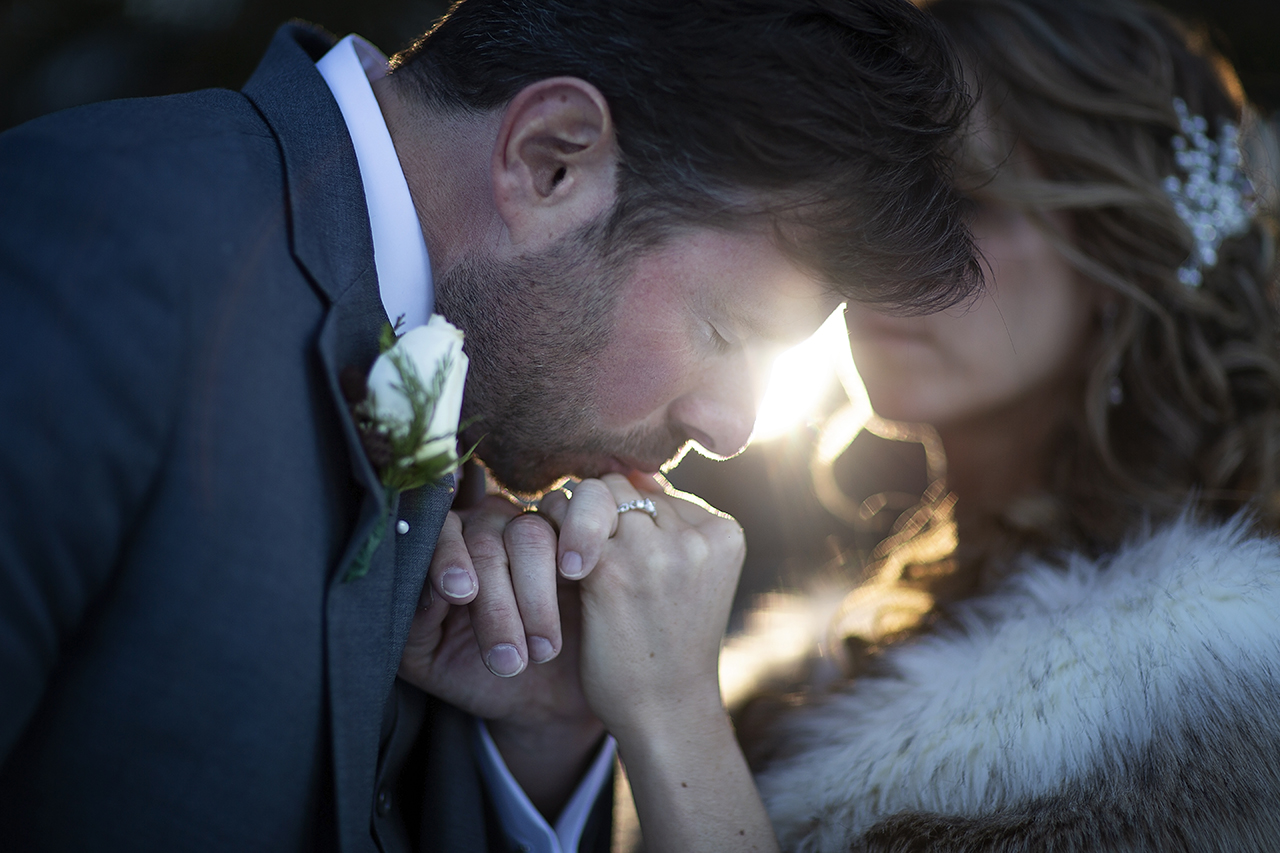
(536,329)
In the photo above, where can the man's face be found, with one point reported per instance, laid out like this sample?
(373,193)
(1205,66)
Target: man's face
(581,366)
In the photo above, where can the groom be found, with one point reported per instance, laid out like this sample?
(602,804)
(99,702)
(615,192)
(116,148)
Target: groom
(621,202)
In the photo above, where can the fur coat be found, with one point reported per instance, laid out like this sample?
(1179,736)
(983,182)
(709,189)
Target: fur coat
(1131,703)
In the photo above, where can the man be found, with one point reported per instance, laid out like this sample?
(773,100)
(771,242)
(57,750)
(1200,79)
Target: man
(621,202)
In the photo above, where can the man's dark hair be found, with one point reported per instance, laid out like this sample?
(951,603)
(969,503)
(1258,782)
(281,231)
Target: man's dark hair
(833,118)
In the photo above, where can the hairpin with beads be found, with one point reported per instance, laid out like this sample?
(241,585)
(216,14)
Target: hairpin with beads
(1214,199)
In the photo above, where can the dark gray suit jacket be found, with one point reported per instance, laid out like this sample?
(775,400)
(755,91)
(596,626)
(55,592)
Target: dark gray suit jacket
(182,488)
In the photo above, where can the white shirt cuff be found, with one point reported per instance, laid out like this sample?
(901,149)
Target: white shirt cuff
(524,826)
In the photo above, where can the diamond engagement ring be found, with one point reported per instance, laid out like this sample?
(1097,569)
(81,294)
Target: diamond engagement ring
(645,504)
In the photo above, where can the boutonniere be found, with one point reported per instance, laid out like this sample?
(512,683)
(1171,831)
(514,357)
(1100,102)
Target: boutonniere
(407,412)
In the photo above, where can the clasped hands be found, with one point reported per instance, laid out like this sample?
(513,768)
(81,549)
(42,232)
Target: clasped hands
(558,623)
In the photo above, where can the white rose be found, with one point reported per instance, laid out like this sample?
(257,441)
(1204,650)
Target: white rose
(425,348)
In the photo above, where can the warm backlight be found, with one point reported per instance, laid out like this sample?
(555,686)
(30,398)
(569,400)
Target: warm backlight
(803,378)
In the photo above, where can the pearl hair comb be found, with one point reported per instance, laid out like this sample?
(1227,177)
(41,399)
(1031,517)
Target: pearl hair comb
(1215,200)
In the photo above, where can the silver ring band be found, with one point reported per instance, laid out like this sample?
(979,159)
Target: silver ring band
(644,504)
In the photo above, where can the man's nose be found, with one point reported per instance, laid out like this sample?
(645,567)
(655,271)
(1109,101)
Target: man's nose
(721,412)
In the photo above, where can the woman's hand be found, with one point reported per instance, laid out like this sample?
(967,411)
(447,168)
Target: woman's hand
(656,604)
(654,611)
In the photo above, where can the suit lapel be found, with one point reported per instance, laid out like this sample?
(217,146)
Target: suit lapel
(357,613)
(366,620)
(424,511)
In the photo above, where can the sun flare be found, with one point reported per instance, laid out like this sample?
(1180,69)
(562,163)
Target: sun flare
(804,375)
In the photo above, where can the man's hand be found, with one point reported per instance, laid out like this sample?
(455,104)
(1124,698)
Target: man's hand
(502,564)
(490,599)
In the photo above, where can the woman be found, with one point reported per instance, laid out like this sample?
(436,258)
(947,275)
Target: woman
(1110,414)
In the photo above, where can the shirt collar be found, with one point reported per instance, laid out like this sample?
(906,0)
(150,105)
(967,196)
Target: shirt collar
(399,249)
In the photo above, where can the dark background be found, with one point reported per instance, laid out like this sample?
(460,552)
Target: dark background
(56,54)
(60,53)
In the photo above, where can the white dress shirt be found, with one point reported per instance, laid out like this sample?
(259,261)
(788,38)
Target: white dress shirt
(524,825)
(399,249)
(404,283)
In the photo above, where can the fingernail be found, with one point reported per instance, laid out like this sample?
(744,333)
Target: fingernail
(457,583)
(571,564)
(541,650)
(504,660)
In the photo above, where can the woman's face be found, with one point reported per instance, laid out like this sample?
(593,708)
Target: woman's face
(1025,334)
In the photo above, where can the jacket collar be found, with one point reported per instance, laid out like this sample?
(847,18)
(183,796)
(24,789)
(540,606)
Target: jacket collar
(328,221)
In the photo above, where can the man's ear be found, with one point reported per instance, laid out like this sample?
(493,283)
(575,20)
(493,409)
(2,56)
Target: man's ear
(554,160)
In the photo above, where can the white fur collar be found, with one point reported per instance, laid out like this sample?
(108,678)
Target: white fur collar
(1057,675)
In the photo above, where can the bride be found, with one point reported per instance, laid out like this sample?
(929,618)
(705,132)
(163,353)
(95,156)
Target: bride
(1110,415)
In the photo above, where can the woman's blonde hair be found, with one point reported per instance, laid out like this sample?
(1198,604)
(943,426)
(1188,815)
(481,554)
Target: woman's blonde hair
(1076,117)
(1180,401)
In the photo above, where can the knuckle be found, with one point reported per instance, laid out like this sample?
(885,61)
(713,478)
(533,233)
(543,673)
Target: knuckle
(498,626)
(593,492)
(586,528)
(554,507)
(445,559)
(529,528)
(539,616)
(487,550)
(695,546)
(495,611)
(449,555)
